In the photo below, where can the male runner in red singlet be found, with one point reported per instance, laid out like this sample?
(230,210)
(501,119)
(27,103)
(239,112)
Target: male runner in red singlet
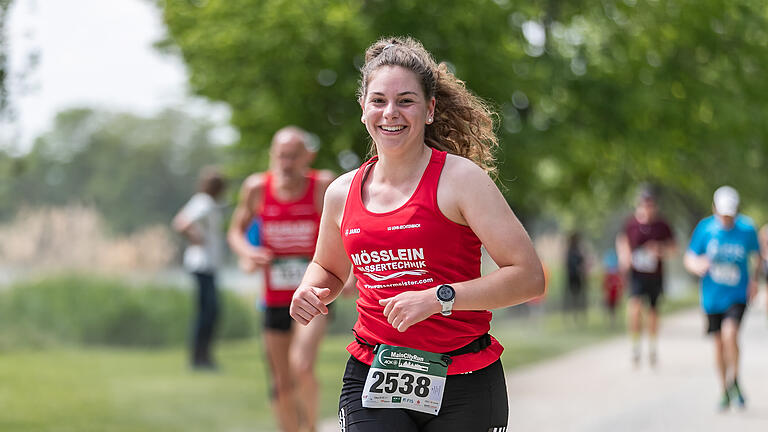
(288,200)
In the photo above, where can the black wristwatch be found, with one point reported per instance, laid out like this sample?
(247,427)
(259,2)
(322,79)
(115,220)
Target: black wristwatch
(446,295)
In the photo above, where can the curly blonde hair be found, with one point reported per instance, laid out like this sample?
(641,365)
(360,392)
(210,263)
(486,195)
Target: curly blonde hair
(463,124)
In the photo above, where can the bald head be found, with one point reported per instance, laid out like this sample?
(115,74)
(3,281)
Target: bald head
(288,155)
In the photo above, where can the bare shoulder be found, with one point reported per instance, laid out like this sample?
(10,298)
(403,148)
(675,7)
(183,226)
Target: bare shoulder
(463,185)
(252,188)
(462,172)
(254,181)
(336,197)
(339,189)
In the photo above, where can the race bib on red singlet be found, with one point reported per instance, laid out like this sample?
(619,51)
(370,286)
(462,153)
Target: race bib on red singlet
(406,378)
(285,273)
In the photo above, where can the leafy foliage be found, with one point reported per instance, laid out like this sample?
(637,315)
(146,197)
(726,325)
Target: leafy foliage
(593,96)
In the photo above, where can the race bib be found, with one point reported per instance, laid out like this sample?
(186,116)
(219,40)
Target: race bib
(285,273)
(725,274)
(644,261)
(406,378)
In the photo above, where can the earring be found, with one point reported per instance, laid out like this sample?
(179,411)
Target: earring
(429,120)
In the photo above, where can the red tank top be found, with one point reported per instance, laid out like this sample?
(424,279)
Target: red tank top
(414,247)
(289,230)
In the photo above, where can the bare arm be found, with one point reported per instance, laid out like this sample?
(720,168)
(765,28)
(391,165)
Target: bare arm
(251,256)
(757,264)
(470,196)
(187,228)
(697,265)
(762,237)
(623,253)
(668,248)
(350,286)
(520,276)
(330,266)
(662,248)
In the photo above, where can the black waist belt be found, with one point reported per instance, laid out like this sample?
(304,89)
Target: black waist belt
(476,345)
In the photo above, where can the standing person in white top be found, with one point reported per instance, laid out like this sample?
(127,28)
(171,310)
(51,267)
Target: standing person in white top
(200,223)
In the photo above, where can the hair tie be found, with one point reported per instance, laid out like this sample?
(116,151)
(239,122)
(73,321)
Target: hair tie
(387,46)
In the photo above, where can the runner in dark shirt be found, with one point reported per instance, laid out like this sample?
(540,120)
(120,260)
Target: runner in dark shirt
(641,247)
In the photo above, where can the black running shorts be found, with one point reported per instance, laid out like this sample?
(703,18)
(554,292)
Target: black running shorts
(277,318)
(474,402)
(649,286)
(734,312)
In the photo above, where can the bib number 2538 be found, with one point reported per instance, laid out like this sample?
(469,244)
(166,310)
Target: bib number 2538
(405,378)
(404,383)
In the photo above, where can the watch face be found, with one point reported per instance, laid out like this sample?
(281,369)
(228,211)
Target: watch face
(445,293)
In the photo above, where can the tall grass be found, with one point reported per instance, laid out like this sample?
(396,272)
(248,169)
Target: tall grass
(96,310)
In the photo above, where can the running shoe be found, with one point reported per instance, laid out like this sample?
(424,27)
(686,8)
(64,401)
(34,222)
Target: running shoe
(725,402)
(653,358)
(735,393)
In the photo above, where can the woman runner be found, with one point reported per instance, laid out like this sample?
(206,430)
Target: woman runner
(410,221)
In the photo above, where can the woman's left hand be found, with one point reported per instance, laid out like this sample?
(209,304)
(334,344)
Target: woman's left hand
(410,307)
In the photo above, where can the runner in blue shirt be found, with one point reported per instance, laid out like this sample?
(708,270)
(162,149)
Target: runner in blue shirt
(720,252)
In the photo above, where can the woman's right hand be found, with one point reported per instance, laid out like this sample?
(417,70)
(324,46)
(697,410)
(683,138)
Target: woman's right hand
(307,303)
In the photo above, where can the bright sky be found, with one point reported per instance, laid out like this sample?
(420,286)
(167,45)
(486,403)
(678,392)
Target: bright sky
(94,53)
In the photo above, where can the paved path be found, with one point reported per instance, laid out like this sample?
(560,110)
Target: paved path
(597,389)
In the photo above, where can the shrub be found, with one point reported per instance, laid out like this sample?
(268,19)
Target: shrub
(91,310)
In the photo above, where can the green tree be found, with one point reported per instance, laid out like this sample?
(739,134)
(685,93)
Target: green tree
(594,96)
(275,62)
(666,91)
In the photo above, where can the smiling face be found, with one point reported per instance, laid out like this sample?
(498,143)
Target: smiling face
(395,109)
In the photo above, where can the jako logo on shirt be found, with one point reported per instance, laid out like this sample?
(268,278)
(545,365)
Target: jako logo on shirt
(349,231)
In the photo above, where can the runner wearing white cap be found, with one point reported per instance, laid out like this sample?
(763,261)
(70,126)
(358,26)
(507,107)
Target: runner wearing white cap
(721,248)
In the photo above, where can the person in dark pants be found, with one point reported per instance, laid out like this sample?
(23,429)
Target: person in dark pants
(207,315)
(200,223)
(576,266)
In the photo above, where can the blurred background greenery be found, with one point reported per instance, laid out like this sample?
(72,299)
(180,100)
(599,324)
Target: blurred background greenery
(594,98)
